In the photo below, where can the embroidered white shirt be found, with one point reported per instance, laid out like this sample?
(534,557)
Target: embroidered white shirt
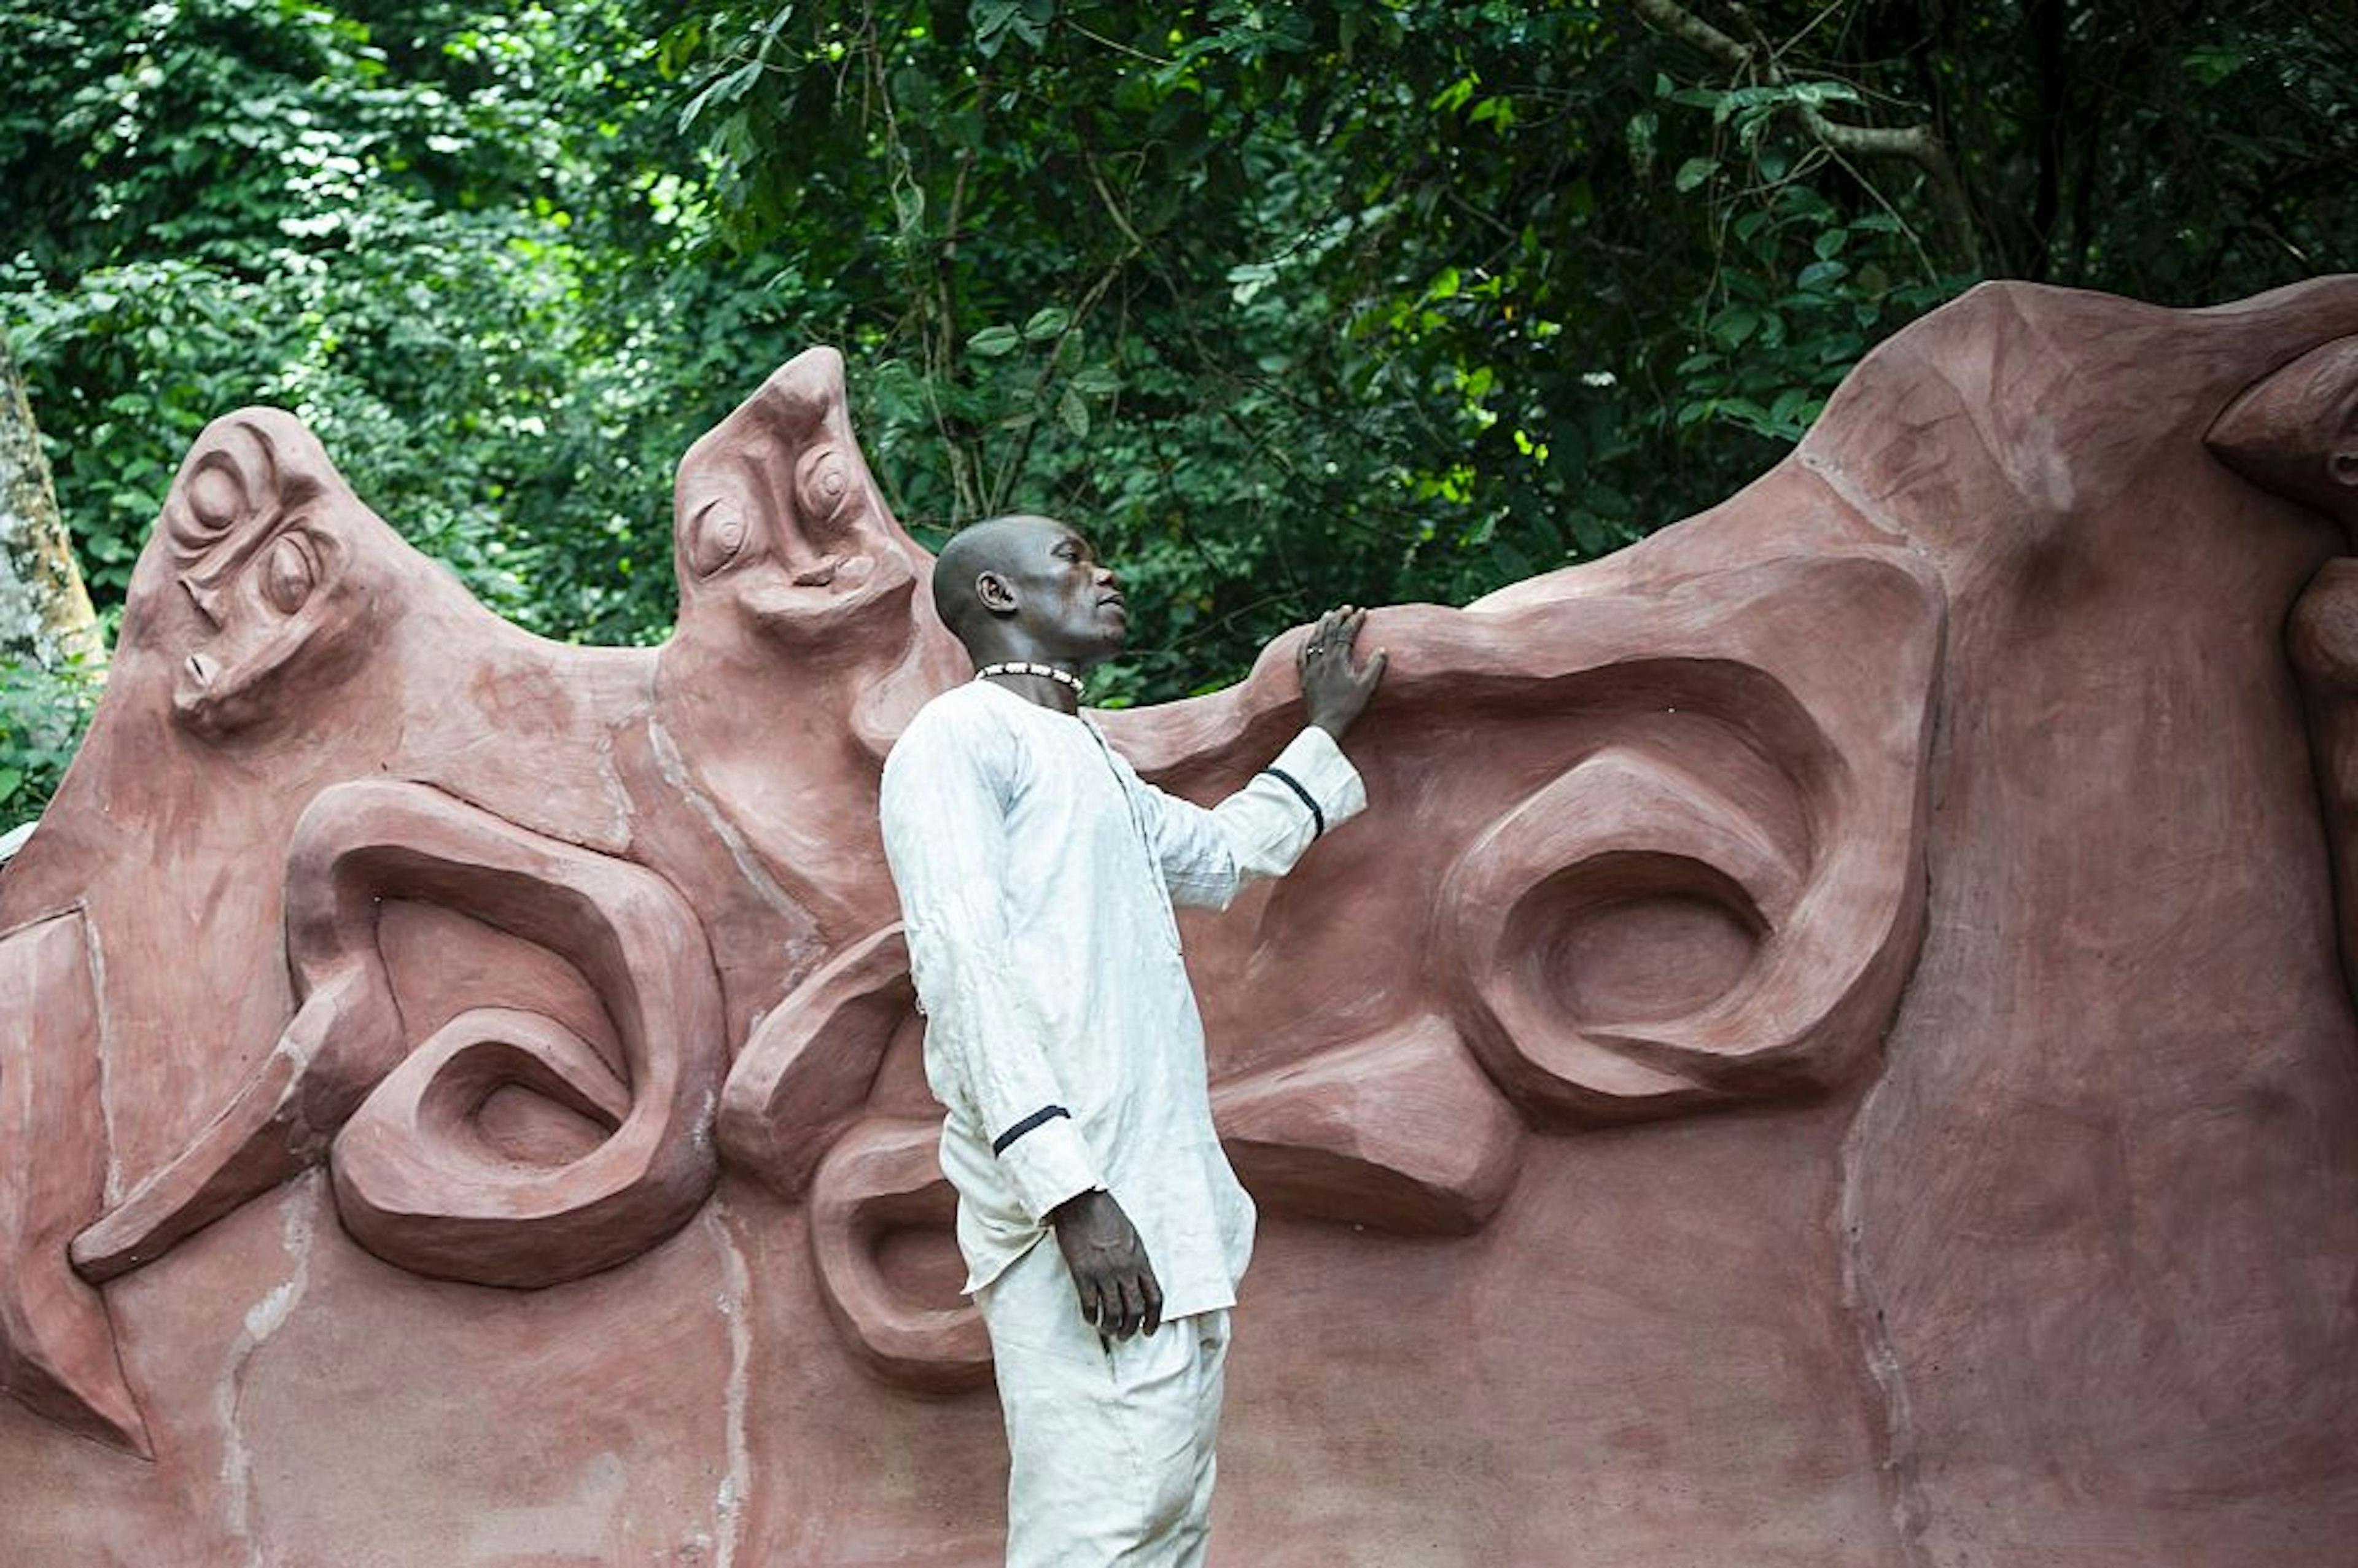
(1037,874)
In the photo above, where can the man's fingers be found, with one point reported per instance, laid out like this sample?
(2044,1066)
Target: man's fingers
(1152,1290)
(1134,1308)
(1315,640)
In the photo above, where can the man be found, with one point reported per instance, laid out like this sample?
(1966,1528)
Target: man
(1037,874)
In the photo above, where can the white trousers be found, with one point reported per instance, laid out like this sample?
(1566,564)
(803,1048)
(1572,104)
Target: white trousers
(1110,1446)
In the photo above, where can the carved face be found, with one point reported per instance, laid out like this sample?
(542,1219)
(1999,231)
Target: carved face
(247,535)
(779,524)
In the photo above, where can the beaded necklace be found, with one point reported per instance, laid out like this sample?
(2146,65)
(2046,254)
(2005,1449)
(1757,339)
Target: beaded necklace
(1025,667)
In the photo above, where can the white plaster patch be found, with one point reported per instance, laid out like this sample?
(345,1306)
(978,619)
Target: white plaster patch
(263,1319)
(728,1503)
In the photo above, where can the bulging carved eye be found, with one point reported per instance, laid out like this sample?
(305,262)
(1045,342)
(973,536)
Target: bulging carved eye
(716,535)
(214,501)
(218,497)
(288,574)
(823,483)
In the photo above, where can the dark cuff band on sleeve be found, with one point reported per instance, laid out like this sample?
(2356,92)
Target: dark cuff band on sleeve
(1290,782)
(1041,1118)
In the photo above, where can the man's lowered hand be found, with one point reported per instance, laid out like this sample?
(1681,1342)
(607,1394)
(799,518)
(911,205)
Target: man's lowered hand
(1119,1295)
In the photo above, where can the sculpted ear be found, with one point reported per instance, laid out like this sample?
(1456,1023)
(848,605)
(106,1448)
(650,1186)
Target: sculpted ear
(1721,900)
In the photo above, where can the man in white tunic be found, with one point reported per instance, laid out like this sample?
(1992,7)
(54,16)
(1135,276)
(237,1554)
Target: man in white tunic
(1037,874)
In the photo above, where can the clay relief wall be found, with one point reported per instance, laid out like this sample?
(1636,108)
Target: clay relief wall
(1832,1044)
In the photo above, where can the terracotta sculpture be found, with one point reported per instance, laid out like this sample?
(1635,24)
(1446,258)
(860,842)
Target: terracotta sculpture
(1840,1054)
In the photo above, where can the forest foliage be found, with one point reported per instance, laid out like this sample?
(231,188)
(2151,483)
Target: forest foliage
(1289,304)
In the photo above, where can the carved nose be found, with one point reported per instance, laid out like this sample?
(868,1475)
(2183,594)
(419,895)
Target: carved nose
(2289,431)
(206,599)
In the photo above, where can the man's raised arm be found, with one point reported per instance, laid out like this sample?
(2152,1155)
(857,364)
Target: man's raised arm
(1210,856)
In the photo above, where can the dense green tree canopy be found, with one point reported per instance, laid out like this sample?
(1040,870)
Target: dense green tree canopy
(1289,304)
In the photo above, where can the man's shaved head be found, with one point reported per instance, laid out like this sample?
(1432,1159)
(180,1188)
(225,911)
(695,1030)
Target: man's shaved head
(994,544)
(1029,588)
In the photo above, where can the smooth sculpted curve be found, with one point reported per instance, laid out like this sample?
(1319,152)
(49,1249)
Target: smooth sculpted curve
(417,1181)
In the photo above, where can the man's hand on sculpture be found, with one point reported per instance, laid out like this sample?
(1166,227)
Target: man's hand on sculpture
(1119,1295)
(1333,689)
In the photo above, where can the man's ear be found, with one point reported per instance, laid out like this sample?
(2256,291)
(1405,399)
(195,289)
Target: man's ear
(996,594)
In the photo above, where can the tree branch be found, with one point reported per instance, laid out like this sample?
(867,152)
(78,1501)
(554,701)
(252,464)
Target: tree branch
(1918,144)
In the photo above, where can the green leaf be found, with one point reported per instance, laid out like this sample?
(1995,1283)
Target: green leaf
(1046,323)
(11,780)
(1074,411)
(1735,324)
(1454,96)
(992,342)
(1693,172)
(725,88)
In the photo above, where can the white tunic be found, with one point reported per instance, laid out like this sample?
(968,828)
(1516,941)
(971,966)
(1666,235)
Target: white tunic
(1037,874)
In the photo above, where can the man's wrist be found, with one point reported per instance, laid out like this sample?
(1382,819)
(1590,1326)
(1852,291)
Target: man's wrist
(1077,1205)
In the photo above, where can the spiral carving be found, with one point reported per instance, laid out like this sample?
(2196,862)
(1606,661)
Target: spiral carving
(415,1179)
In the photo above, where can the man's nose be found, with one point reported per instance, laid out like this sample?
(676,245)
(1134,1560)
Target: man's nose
(1106,576)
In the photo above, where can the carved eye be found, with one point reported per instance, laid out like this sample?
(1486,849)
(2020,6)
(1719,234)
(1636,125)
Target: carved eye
(289,573)
(214,501)
(2345,467)
(218,497)
(716,535)
(823,484)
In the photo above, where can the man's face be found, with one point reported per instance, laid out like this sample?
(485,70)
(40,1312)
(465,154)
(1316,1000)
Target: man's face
(1065,597)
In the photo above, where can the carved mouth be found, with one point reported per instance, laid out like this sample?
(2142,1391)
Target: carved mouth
(853,569)
(200,672)
(835,592)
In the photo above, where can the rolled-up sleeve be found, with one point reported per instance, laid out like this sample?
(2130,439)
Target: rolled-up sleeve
(944,808)
(1209,855)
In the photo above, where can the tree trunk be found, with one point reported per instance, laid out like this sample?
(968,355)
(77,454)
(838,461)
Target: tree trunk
(45,613)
